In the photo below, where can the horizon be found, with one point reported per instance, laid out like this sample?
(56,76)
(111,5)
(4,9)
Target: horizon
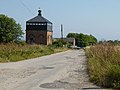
(99,18)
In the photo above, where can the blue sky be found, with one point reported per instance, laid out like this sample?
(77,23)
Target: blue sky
(100,18)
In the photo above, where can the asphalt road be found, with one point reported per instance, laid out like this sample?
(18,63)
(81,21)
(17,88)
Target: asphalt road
(61,71)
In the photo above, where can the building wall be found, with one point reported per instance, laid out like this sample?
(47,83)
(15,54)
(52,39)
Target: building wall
(49,38)
(36,37)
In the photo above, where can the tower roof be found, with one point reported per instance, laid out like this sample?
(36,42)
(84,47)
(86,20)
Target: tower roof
(39,19)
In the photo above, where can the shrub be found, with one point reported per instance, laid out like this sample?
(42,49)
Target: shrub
(104,65)
(59,43)
(113,77)
(12,52)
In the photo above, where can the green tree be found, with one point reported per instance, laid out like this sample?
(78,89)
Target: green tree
(83,40)
(73,35)
(10,31)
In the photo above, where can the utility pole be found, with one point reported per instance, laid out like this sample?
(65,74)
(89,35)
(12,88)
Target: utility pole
(61,31)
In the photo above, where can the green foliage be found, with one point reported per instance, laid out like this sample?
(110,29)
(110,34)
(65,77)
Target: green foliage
(73,35)
(59,43)
(12,52)
(104,65)
(9,30)
(113,76)
(83,40)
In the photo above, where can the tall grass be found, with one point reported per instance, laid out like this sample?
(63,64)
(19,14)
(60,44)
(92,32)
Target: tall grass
(16,52)
(104,65)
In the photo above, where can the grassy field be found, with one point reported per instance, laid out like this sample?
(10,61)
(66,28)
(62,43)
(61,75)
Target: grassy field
(104,65)
(17,52)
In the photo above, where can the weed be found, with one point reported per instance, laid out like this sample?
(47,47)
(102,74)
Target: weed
(16,52)
(104,65)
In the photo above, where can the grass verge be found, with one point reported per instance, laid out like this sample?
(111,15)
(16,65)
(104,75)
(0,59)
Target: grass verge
(104,65)
(17,52)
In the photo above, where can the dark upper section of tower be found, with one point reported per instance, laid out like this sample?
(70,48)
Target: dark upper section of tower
(39,23)
(39,18)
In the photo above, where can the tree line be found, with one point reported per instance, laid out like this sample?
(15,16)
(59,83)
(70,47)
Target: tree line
(83,40)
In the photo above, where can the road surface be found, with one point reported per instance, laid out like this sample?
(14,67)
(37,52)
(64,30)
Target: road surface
(61,71)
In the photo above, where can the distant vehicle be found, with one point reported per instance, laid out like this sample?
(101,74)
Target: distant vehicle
(75,47)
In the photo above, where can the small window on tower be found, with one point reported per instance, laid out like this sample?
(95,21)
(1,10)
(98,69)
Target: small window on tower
(33,23)
(28,24)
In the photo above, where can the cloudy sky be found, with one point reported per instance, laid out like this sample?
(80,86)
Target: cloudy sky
(100,18)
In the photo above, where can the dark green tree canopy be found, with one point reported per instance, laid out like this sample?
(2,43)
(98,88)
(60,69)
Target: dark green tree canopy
(10,31)
(83,40)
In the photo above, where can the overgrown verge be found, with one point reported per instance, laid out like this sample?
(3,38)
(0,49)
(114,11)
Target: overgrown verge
(104,65)
(16,52)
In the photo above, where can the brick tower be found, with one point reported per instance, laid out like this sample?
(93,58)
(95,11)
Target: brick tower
(39,30)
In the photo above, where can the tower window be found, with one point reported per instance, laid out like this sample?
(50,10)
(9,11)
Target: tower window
(28,24)
(33,23)
(36,24)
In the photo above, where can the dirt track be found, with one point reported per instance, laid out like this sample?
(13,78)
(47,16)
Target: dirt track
(61,71)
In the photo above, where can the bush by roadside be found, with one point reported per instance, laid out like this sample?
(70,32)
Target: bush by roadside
(104,65)
(16,52)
